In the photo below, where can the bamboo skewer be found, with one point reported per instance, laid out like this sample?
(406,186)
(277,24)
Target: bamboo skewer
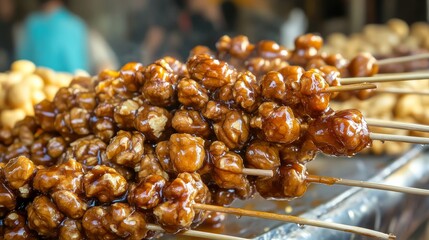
(195,233)
(350,87)
(403,59)
(297,220)
(401,91)
(386,78)
(397,125)
(257,172)
(364,184)
(398,138)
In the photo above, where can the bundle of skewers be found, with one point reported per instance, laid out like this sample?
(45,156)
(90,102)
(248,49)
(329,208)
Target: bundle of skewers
(160,148)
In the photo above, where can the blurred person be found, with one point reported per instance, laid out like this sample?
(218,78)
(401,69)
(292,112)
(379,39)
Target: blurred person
(101,55)
(53,37)
(7,10)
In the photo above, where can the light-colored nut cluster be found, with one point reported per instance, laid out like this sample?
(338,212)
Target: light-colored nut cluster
(404,107)
(25,85)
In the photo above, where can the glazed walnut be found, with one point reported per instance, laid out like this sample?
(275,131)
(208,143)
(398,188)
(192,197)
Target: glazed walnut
(113,88)
(363,65)
(191,94)
(154,122)
(71,230)
(16,149)
(211,72)
(246,91)
(314,100)
(6,136)
(215,111)
(104,183)
(132,74)
(191,122)
(178,67)
(126,148)
(233,129)
(238,47)
(56,146)
(88,151)
(148,193)
(228,169)
(262,155)
(125,113)
(69,204)
(39,150)
(273,86)
(306,48)
(44,217)
(301,151)
(270,50)
(160,84)
(93,226)
(292,77)
(103,128)
(124,222)
(65,176)
(260,66)
(16,227)
(186,152)
(149,164)
(7,198)
(18,173)
(163,155)
(72,123)
(278,123)
(45,113)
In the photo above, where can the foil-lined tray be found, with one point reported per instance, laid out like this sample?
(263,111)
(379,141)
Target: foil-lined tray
(391,212)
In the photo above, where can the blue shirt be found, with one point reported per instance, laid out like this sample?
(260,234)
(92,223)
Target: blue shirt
(58,40)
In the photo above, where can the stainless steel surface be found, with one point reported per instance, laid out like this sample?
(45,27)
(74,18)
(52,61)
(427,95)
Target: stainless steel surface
(398,213)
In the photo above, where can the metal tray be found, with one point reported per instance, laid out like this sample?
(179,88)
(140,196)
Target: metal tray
(398,213)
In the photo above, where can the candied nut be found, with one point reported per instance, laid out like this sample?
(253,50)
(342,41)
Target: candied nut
(125,222)
(126,148)
(24,130)
(86,100)
(186,152)
(309,41)
(293,180)
(191,122)
(215,111)
(228,168)
(246,91)
(178,67)
(233,129)
(65,176)
(16,227)
(148,193)
(262,155)
(104,183)
(6,137)
(314,100)
(149,164)
(71,230)
(270,49)
(211,72)
(154,122)
(292,76)
(103,128)
(163,154)
(224,93)
(260,66)
(45,113)
(363,65)
(301,151)
(159,87)
(69,204)
(199,50)
(92,223)
(240,47)
(132,73)
(18,173)
(125,113)
(106,108)
(191,94)
(273,86)
(43,216)
(113,88)
(56,146)
(7,198)
(39,150)
(15,150)
(87,151)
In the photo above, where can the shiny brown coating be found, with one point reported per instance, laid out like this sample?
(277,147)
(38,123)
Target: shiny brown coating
(7,198)
(72,123)
(16,149)
(56,146)
(212,73)
(292,79)
(45,113)
(132,74)
(92,223)
(228,170)
(332,77)
(238,46)
(124,113)
(154,122)
(16,227)
(262,155)
(191,122)
(177,66)
(260,66)
(315,102)
(104,128)
(273,86)
(187,152)
(215,111)
(270,50)
(191,93)
(125,222)
(246,91)
(65,176)
(44,216)
(344,133)
(113,88)
(301,151)
(160,84)
(104,183)
(88,151)
(6,136)
(71,230)
(278,123)
(69,203)
(162,151)
(149,164)
(363,65)
(39,150)
(148,193)
(126,148)
(18,173)
(233,129)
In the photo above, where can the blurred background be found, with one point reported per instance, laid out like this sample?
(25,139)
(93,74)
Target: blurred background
(95,34)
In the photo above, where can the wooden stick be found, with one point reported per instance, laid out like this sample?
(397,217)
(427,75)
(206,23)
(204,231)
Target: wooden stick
(258,172)
(398,138)
(401,91)
(397,125)
(350,87)
(386,78)
(195,233)
(293,219)
(403,59)
(356,183)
